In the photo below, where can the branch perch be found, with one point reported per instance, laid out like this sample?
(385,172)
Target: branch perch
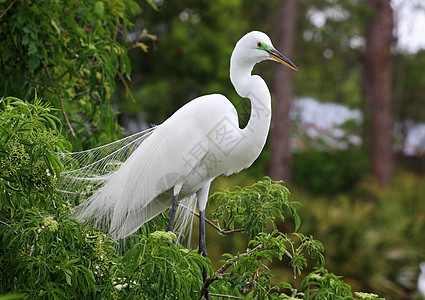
(222,231)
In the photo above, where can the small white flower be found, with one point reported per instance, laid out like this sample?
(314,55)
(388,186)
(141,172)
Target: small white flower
(121,286)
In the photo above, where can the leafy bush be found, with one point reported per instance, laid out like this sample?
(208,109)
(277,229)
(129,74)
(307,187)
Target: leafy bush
(43,253)
(70,52)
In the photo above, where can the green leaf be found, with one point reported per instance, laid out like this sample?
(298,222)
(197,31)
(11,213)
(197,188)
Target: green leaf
(152,4)
(33,63)
(99,8)
(55,26)
(32,48)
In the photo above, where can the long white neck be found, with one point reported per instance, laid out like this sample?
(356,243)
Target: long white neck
(254,88)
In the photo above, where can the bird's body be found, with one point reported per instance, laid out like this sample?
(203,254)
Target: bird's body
(182,156)
(143,186)
(200,141)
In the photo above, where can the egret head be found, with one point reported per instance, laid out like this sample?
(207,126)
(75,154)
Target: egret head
(256,46)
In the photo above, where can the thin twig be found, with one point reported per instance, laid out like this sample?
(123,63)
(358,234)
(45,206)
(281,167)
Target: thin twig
(54,204)
(9,7)
(254,278)
(82,93)
(60,99)
(227,296)
(127,88)
(224,296)
(5,224)
(65,115)
(116,32)
(222,231)
(38,83)
(294,269)
(219,273)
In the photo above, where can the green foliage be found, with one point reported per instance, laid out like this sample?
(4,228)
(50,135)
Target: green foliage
(250,273)
(157,268)
(44,254)
(29,135)
(254,208)
(69,51)
(320,284)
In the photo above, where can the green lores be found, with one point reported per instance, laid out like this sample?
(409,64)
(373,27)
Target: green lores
(263,46)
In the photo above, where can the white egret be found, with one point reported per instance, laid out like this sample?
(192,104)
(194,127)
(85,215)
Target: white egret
(182,156)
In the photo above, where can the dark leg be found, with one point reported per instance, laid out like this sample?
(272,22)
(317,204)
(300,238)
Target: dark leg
(203,246)
(173,213)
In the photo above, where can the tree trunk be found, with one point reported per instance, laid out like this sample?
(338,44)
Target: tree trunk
(283,89)
(377,88)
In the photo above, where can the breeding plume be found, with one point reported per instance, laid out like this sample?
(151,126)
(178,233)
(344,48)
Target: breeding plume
(132,180)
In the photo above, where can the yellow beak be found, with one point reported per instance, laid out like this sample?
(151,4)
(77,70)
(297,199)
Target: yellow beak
(279,57)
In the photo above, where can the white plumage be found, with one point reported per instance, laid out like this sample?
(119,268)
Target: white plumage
(181,156)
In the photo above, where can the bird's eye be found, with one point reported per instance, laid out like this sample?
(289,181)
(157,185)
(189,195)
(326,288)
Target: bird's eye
(259,44)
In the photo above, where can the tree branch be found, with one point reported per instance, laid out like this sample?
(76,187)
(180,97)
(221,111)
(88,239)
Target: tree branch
(225,296)
(9,7)
(222,231)
(219,273)
(127,88)
(5,224)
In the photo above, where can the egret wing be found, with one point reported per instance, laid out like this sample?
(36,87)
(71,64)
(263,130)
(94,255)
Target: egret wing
(141,187)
